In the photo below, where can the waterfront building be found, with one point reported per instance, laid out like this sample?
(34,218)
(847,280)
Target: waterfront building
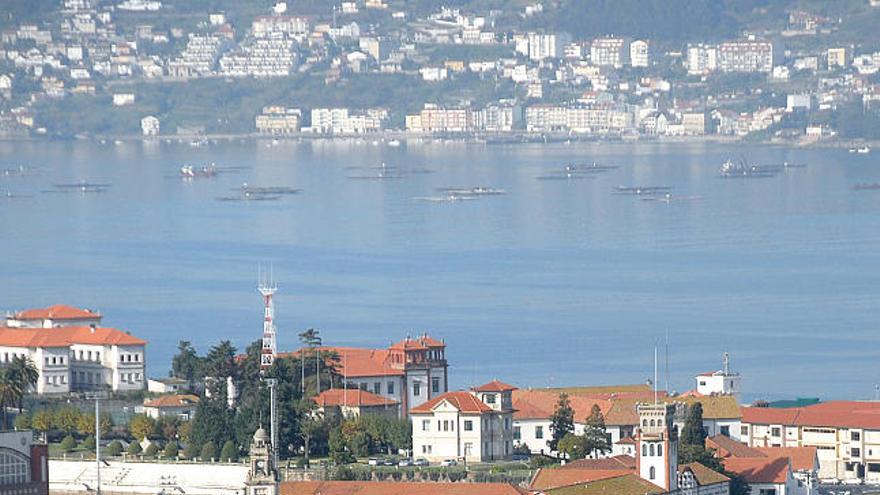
(437,119)
(150,126)
(343,121)
(24,465)
(277,120)
(475,425)
(410,372)
(72,352)
(846,435)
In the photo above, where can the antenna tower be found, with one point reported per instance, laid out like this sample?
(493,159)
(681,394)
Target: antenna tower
(267,288)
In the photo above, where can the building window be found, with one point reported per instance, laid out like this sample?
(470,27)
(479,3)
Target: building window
(855,452)
(539,432)
(516,433)
(14,468)
(506,423)
(744,430)
(776,432)
(652,473)
(855,436)
(651,451)
(660,450)
(377,388)
(468,425)
(426,424)
(417,389)
(767,491)
(390,388)
(644,450)
(435,384)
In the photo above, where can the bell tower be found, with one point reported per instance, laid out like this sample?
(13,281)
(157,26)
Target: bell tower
(657,445)
(262,478)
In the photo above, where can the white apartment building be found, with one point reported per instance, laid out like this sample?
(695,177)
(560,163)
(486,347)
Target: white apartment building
(608,52)
(745,56)
(409,372)
(280,26)
(846,435)
(639,53)
(436,119)
(702,59)
(278,120)
(547,45)
(342,121)
(150,126)
(584,119)
(474,426)
(72,353)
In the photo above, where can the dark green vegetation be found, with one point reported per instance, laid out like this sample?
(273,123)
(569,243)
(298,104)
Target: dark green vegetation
(692,448)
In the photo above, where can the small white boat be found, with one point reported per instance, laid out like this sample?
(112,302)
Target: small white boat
(394,143)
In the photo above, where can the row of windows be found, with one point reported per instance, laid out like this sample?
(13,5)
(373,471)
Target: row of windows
(9,356)
(648,450)
(54,360)
(56,380)
(447,425)
(129,377)
(659,422)
(14,468)
(82,355)
(435,387)
(130,358)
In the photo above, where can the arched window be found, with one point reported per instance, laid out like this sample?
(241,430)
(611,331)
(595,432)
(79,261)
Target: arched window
(652,473)
(660,449)
(14,467)
(644,422)
(644,450)
(651,450)
(652,423)
(660,422)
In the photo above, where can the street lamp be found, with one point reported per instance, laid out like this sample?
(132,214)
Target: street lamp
(97,396)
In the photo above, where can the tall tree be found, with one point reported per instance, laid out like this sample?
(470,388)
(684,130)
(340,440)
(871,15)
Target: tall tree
(26,374)
(10,390)
(186,363)
(595,435)
(561,422)
(693,432)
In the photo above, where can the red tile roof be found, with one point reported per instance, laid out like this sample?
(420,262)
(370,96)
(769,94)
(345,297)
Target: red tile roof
(702,474)
(540,404)
(495,386)
(396,488)
(179,400)
(465,402)
(56,312)
(725,446)
(802,458)
(351,397)
(607,463)
(759,469)
(65,336)
(839,414)
(354,362)
(548,478)
(423,342)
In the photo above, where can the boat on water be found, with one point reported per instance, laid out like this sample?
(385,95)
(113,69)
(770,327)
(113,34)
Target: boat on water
(250,197)
(670,198)
(473,191)
(82,186)
(642,190)
(564,176)
(190,172)
(741,169)
(589,167)
(448,198)
(394,143)
(249,190)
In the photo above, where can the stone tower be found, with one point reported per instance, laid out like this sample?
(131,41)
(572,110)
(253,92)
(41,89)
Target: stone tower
(657,445)
(262,478)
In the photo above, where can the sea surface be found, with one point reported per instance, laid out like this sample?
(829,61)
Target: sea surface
(556,282)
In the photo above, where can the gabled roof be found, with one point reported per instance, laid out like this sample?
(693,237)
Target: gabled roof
(354,362)
(628,484)
(56,312)
(351,397)
(178,400)
(605,463)
(725,446)
(759,469)
(540,404)
(495,386)
(465,402)
(65,336)
(396,488)
(702,474)
(549,478)
(802,458)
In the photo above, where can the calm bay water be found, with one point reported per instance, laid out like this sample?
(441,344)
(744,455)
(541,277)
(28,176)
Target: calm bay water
(554,283)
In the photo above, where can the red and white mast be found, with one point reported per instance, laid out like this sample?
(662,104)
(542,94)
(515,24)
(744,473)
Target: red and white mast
(268,288)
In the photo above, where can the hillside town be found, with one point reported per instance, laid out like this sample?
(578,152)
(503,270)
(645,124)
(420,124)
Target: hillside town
(469,72)
(583,438)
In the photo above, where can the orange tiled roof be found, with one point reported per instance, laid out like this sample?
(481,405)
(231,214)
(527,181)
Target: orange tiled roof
(759,469)
(423,342)
(540,404)
(702,474)
(355,362)
(65,336)
(548,478)
(802,458)
(495,386)
(628,484)
(725,446)
(607,463)
(465,402)
(351,397)
(840,414)
(178,400)
(396,488)
(56,312)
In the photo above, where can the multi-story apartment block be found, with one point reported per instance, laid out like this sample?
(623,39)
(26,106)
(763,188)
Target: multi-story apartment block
(846,435)
(547,45)
(260,57)
(342,121)
(745,56)
(608,52)
(702,59)
(279,120)
(837,58)
(502,117)
(640,53)
(436,119)
(198,58)
(476,425)
(409,372)
(280,26)
(579,118)
(72,353)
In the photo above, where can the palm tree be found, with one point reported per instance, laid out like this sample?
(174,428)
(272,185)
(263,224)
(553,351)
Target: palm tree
(10,390)
(25,372)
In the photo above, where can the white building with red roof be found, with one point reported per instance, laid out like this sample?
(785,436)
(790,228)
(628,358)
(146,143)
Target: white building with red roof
(469,426)
(846,435)
(409,372)
(72,356)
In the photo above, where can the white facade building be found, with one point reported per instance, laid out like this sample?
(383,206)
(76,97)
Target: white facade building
(474,426)
(639,53)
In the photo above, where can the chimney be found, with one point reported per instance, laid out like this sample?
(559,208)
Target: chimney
(92,328)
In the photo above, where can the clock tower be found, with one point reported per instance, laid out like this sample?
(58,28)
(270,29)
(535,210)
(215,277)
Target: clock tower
(262,478)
